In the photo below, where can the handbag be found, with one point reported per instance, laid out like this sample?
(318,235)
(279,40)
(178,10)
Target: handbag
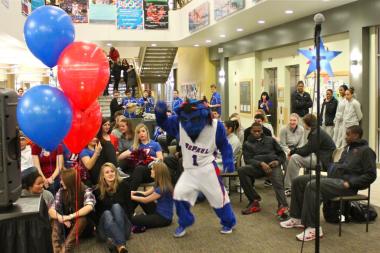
(360,210)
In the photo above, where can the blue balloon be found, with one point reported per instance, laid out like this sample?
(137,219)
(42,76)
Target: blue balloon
(44,114)
(48,31)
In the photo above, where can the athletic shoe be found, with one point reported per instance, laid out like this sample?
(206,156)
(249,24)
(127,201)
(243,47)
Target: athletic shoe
(288,192)
(138,229)
(123,249)
(226,230)
(291,223)
(253,207)
(283,213)
(180,232)
(309,234)
(267,183)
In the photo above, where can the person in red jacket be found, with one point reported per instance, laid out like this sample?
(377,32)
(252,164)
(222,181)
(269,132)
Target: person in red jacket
(114,54)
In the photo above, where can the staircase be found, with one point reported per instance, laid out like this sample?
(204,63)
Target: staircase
(156,64)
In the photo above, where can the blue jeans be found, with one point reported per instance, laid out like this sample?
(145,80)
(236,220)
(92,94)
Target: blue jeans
(115,225)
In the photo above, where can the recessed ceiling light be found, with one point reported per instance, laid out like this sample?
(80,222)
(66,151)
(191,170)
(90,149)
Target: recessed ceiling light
(289,12)
(109,44)
(222,36)
(154,45)
(261,21)
(196,45)
(239,29)
(208,41)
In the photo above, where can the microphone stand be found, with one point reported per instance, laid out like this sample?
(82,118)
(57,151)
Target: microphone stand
(317,41)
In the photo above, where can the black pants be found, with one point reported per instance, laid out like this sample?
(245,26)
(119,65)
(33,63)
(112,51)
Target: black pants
(116,82)
(247,176)
(175,167)
(302,204)
(151,219)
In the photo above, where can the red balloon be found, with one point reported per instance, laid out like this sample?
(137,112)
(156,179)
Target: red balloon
(83,73)
(85,126)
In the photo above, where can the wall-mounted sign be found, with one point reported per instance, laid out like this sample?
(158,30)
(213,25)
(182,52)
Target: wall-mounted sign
(199,17)
(77,9)
(224,8)
(156,14)
(130,14)
(102,11)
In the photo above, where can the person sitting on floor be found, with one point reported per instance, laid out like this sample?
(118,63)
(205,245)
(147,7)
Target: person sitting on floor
(112,207)
(355,170)
(304,157)
(157,202)
(263,156)
(69,212)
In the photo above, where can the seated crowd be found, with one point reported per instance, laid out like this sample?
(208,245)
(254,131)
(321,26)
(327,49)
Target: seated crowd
(96,191)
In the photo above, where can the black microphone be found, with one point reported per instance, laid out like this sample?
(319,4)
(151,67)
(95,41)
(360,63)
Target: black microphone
(318,20)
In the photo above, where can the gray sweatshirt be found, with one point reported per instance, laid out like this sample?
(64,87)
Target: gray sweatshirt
(340,110)
(352,113)
(290,138)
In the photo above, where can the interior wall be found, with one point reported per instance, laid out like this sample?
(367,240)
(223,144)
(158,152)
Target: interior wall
(193,66)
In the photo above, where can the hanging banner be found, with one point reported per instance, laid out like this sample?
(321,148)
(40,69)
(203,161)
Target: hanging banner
(26,7)
(130,14)
(102,11)
(156,14)
(77,9)
(199,17)
(224,8)
(37,3)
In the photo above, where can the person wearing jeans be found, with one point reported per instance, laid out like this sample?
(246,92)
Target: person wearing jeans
(355,170)
(112,210)
(263,156)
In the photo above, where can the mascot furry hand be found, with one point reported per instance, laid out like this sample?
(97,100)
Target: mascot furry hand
(194,115)
(199,136)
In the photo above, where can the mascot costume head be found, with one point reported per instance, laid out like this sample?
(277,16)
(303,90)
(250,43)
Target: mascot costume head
(194,115)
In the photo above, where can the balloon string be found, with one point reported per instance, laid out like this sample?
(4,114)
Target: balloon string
(77,186)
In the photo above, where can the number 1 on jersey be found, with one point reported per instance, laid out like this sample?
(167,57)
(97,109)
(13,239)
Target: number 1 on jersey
(195,160)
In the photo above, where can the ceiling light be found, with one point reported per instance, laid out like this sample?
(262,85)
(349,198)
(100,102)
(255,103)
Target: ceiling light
(261,21)
(196,45)
(239,29)
(109,44)
(222,36)
(289,12)
(154,45)
(208,41)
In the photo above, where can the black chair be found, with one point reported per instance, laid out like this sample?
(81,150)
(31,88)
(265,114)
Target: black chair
(235,173)
(357,197)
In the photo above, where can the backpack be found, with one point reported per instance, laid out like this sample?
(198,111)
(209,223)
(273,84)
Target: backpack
(358,212)
(331,211)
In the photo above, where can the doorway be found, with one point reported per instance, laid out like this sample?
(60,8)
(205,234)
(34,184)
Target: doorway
(270,86)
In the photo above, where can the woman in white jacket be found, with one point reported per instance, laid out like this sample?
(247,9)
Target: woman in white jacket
(352,113)
(338,121)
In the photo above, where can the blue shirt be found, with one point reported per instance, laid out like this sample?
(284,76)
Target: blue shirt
(126,101)
(86,152)
(70,159)
(130,115)
(164,204)
(176,102)
(148,106)
(151,148)
(215,100)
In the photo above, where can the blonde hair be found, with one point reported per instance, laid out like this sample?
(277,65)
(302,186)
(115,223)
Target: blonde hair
(162,178)
(295,115)
(118,119)
(102,184)
(261,111)
(136,140)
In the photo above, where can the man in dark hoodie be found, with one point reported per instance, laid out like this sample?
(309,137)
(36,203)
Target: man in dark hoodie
(263,157)
(355,170)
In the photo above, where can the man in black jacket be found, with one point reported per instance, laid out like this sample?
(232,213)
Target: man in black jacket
(301,100)
(263,157)
(115,105)
(259,118)
(355,170)
(304,157)
(328,111)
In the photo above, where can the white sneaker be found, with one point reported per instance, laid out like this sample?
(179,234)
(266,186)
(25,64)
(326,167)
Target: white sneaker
(309,234)
(291,223)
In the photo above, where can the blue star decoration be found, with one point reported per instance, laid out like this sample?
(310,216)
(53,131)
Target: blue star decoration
(326,57)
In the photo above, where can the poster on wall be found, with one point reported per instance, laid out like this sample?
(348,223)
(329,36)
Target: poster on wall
(5,3)
(199,17)
(156,14)
(224,8)
(245,97)
(77,9)
(37,3)
(190,90)
(26,7)
(102,11)
(130,14)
